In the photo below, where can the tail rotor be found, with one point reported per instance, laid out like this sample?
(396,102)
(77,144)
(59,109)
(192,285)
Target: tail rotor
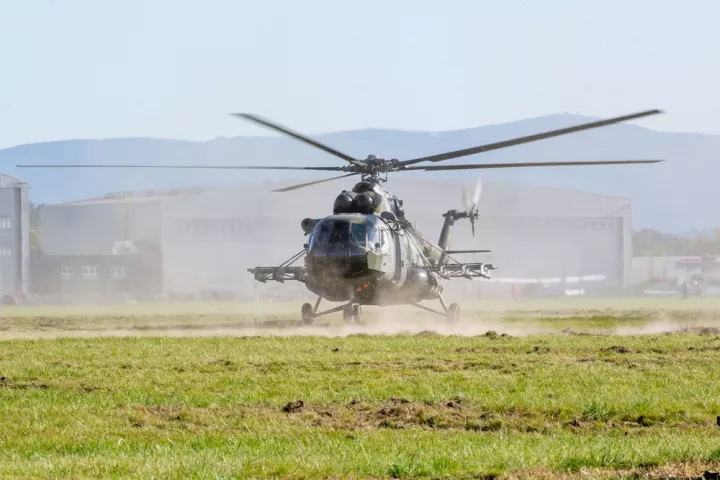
(472,207)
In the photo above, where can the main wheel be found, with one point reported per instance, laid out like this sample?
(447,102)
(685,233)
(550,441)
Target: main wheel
(453,313)
(352,314)
(308,315)
(357,313)
(347,314)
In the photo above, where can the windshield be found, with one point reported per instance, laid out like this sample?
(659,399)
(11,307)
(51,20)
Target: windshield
(339,233)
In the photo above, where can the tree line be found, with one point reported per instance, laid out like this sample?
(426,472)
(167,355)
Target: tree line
(651,243)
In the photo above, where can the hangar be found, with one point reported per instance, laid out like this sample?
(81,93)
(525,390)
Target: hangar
(204,239)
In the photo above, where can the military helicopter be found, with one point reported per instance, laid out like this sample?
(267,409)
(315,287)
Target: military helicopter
(367,252)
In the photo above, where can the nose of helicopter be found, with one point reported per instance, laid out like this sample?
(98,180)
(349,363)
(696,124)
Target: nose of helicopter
(349,266)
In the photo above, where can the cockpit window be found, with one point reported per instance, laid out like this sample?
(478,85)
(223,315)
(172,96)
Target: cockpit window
(340,233)
(358,234)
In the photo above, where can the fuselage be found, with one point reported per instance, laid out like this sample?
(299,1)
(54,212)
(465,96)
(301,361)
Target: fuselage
(368,251)
(361,256)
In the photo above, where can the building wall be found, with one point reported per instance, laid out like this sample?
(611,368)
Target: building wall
(551,246)
(536,209)
(211,239)
(14,237)
(92,278)
(93,229)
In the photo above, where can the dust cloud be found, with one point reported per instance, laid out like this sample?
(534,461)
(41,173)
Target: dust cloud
(384,322)
(380,329)
(202,242)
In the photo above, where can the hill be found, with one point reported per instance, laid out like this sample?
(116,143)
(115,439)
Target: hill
(675,196)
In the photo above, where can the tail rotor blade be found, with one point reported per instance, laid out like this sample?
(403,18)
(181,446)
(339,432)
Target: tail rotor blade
(478,192)
(465,201)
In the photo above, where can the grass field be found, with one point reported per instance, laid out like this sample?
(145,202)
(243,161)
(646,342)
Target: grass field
(548,389)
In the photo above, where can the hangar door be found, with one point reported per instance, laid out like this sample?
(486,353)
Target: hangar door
(548,247)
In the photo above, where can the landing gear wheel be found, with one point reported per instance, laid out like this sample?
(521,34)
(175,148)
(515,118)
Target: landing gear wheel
(453,313)
(308,315)
(357,313)
(347,314)
(352,314)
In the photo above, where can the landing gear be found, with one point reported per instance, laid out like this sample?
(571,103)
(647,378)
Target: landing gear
(453,313)
(352,313)
(308,314)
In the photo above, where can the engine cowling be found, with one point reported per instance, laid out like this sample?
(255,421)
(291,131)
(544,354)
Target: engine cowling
(352,202)
(365,203)
(344,203)
(422,283)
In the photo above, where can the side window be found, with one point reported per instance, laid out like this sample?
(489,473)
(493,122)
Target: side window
(89,272)
(66,273)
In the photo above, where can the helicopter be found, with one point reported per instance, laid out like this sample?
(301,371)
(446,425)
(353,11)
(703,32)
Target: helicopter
(367,253)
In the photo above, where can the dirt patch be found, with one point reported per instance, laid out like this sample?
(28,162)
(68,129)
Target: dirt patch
(704,349)
(294,406)
(11,384)
(400,414)
(617,349)
(539,349)
(700,330)
(674,471)
(466,350)
(157,416)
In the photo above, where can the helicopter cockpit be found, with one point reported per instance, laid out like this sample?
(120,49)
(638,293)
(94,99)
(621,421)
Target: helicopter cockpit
(334,234)
(347,235)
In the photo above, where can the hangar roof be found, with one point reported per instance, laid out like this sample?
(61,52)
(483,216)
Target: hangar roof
(423,197)
(9,181)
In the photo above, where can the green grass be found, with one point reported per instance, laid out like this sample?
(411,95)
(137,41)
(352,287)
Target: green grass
(420,405)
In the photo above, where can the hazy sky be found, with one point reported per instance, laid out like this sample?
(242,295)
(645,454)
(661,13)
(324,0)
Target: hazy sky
(174,68)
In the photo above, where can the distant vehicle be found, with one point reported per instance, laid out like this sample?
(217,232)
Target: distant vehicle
(702,278)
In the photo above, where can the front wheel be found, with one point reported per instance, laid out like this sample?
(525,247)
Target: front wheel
(308,314)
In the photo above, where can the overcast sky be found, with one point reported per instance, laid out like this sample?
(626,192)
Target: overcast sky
(174,68)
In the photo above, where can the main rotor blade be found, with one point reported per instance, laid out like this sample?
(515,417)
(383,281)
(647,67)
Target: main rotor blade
(217,167)
(430,168)
(529,138)
(301,185)
(467,251)
(298,136)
